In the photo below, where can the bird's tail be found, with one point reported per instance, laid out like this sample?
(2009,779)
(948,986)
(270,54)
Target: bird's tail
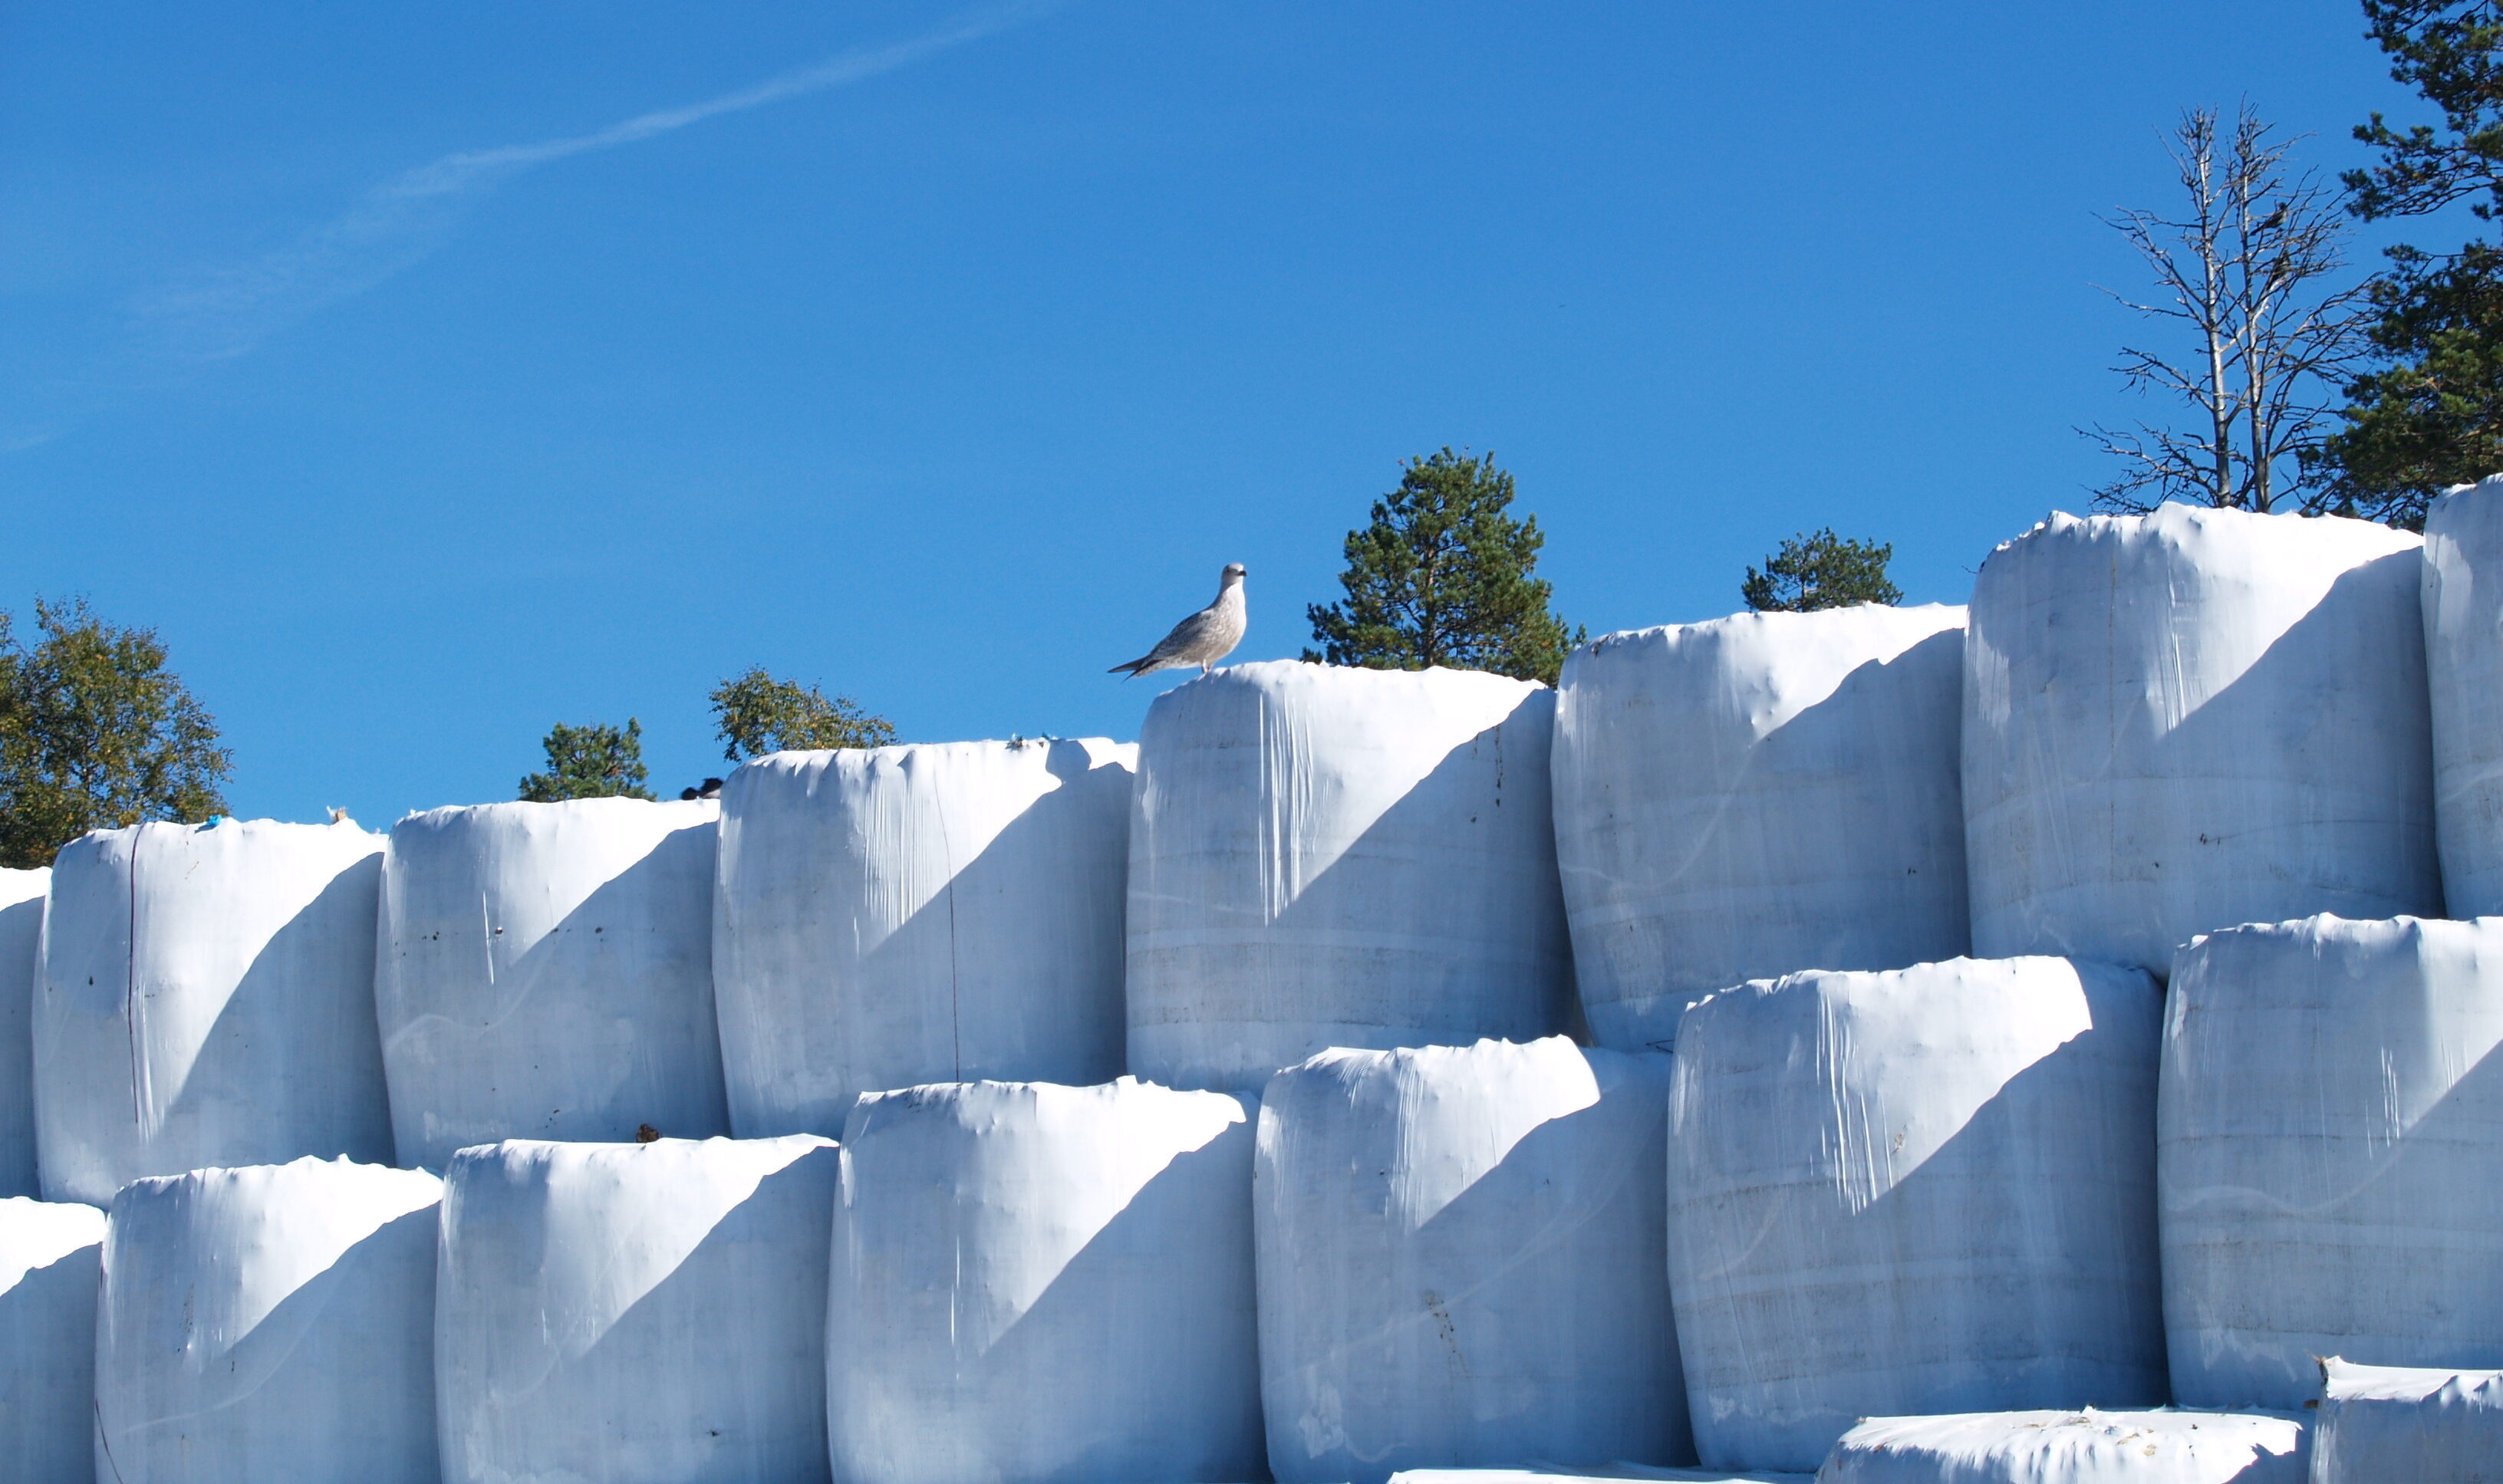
(1131,670)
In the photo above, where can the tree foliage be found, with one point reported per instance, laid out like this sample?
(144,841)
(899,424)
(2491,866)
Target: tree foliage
(2430,414)
(1445,576)
(96,734)
(2263,343)
(755,713)
(596,760)
(1821,570)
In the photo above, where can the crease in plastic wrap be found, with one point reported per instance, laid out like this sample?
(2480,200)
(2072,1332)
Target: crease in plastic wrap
(2191,719)
(1037,1284)
(207,998)
(2463,629)
(2330,1146)
(50,1258)
(1323,857)
(2388,1424)
(635,1313)
(928,913)
(275,1322)
(1462,1261)
(21,927)
(1755,796)
(1919,1191)
(544,970)
(2073,1447)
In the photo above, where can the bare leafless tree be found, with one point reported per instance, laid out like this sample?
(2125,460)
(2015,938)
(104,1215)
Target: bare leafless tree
(2249,272)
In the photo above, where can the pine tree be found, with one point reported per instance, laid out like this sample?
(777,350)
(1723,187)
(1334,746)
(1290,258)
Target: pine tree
(1443,576)
(596,760)
(755,713)
(96,734)
(2432,414)
(1821,570)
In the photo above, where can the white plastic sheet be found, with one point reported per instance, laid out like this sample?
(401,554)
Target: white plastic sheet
(1755,796)
(2331,1153)
(2191,719)
(275,1322)
(1325,857)
(1550,1472)
(545,971)
(2391,1425)
(207,998)
(2084,1447)
(49,1257)
(21,927)
(930,913)
(1462,1261)
(2463,629)
(1930,1190)
(635,1313)
(1044,1285)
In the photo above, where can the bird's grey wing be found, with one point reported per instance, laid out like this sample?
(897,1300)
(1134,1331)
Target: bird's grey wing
(1185,634)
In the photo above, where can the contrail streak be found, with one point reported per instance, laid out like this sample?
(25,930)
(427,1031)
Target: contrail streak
(218,314)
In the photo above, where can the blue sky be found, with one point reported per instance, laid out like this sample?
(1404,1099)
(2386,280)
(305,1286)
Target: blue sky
(430,376)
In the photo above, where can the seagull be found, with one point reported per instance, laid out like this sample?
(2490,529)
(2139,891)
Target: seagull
(1202,639)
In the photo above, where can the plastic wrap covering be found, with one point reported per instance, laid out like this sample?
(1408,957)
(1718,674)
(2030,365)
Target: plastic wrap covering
(2192,720)
(1555,1475)
(2089,1447)
(545,971)
(207,998)
(635,1313)
(49,1261)
(1462,1261)
(932,913)
(2331,1153)
(2463,629)
(1325,856)
(1044,1285)
(2384,1425)
(1755,796)
(270,1323)
(1930,1190)
(21,927)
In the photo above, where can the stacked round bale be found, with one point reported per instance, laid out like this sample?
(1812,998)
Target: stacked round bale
(2382,1423)
(207,998)
(927,913)
(21,928)
(49,1259)
(544,970)
(1325,857)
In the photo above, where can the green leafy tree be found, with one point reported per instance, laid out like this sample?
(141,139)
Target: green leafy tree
(2430,414)
(755,713)
(95,733)
(592,762)
(1821,570)
(1445,576)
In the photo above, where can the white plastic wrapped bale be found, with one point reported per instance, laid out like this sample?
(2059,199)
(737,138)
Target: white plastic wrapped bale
(2384,1424)
(635,1313)
(49,1257)
(1044,1285)
(1325,857)
(545,971)
(2330,1146)
(1462,1261)
(2191,719)
(1755,796)
(1558,1475)
(2463,629)
(929,913)
(2084,1447)
(268,1323)
(207,998)
(21,927)
(1930,1190)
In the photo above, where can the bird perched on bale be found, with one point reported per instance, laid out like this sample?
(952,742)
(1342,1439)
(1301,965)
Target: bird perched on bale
(1202,639)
